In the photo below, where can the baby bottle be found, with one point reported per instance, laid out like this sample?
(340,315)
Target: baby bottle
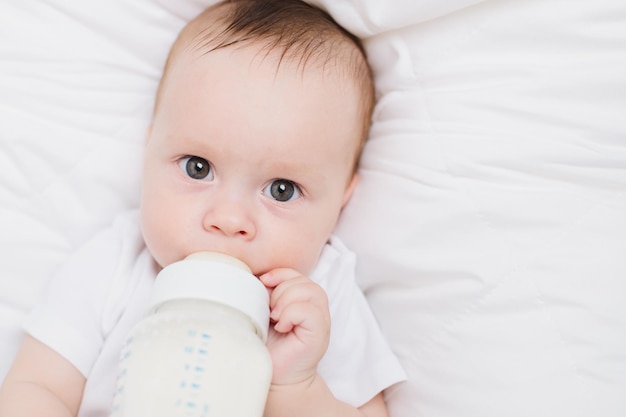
(201,351)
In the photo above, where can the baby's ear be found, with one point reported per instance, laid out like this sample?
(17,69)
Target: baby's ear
(350,189)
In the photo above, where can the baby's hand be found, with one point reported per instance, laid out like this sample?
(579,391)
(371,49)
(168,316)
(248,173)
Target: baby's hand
(301,325)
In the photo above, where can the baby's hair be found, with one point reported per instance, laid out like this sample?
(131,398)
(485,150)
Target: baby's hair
(297,31)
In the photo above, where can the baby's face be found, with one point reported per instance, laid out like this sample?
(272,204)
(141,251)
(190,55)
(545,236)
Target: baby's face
(248,160)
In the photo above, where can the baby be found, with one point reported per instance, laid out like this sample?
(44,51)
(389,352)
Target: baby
(259,123)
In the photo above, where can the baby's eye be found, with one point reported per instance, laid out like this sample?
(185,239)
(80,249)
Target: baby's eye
(196,168)
(282,190)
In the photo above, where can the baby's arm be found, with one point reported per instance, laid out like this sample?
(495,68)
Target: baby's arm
(41,383)
(297,342)
(315,399)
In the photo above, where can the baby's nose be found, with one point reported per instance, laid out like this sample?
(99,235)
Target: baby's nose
(231,219)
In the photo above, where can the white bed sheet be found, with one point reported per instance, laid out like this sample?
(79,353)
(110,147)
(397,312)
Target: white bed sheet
(490,218)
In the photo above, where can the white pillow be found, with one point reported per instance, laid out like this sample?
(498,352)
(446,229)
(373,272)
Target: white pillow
(490,222)
(489,219)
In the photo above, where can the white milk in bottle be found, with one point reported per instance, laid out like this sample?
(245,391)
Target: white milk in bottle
(201,350)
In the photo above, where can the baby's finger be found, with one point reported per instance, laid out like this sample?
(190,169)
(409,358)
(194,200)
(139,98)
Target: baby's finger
(307,322)
(277,276)
(280,280)
(297,291)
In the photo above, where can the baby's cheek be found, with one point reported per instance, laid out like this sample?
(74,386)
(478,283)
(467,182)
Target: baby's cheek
(156,241)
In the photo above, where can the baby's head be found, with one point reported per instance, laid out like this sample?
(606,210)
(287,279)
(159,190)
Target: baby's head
(258,126)
(289,32)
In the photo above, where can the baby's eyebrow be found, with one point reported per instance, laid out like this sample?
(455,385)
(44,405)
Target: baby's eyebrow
(292,168)
(190,144)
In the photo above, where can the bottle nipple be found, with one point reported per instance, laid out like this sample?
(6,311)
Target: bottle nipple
(219,257)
